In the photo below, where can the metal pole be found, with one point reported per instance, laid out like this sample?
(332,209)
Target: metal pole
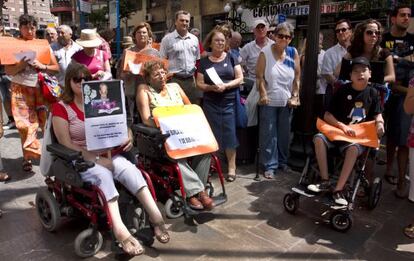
(81,17)
(118,31)
(25,7)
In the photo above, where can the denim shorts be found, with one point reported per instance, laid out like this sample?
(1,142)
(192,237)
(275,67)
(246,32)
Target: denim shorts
(342,145)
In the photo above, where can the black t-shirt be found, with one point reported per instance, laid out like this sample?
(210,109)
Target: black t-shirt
(401,46)
(349,105)
(224,69)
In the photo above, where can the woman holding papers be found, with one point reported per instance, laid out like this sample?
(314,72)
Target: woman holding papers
(69,128)
(29,108)
(141,35)
(97,61)
(278,77)
(160,93)
(219,76)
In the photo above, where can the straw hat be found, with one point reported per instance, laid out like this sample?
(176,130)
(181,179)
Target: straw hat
(89,38)
(127,41)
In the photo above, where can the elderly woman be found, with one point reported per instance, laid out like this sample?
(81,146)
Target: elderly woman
(160,93)
(277,78)
(141,35)
(69,127)
(29,108)
(220,100)
(97,61)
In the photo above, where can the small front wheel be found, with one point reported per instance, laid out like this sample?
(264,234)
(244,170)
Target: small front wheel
(291,202)
(88,243)
(374,193)
(341,221)
(174,208)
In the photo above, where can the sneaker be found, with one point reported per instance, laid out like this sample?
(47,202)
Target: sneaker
(9,125)
(319,187)
(339,198)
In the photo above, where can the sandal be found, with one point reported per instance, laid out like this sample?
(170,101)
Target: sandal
(162,236)
(409,231)
(27,165)
(4,176)
(391,179)
(231,177)
(131,246)
(268,174)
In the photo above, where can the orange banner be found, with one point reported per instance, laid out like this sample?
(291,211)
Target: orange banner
(11,46)
(190,133)
(139,59)
(366,133)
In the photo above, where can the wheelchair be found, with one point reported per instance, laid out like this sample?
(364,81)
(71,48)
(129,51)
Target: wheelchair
(166,175)
(67,196)
(340,216)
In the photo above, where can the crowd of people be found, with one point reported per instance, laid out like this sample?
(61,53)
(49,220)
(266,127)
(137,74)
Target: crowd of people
(268,62)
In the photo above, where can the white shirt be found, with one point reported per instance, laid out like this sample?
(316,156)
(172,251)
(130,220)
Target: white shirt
(181,52)
(321,82)
(249,54)
(63,58)
(333,56)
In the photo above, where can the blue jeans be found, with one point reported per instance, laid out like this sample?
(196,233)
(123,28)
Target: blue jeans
(274,131)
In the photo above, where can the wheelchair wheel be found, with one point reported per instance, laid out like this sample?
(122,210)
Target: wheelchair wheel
(341,221)
(209,189)
(374,193)
(48,210)
(174,209)
(291,202)
(88,243)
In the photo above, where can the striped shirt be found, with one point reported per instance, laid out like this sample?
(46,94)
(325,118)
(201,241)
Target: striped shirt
(75,117)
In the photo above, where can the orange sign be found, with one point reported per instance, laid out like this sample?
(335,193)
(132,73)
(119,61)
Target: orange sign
(139,59)
(10,46)
(190,133)
(366,133)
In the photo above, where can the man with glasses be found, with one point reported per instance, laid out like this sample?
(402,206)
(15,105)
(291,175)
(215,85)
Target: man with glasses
(181,48)
(249,54)
(333,56)
(401,44)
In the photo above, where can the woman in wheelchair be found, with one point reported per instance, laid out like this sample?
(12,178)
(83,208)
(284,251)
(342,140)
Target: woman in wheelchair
(157,93)
(354,102)
(69,129)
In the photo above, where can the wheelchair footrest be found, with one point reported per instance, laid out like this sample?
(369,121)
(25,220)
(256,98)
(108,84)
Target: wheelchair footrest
(303,191)
(220,199)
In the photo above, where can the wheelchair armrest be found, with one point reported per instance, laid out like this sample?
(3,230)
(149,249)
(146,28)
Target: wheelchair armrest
(63,152)
(149,131)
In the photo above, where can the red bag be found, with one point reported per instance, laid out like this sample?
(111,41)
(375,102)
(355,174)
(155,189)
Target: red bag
(50,87)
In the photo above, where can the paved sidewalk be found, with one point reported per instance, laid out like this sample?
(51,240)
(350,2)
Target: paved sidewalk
(252,225)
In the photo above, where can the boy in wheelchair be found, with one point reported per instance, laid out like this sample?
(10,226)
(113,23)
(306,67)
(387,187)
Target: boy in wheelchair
(157,92)
(354,102)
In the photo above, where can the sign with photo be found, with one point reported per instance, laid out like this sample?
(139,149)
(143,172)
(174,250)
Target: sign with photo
(105,114)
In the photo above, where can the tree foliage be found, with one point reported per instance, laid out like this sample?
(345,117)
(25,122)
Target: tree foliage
(127,8)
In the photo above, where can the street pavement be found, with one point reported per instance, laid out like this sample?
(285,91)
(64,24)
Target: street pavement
(252,225)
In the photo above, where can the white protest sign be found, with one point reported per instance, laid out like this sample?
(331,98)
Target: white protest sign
(214,77)
(134,68)
(105,114)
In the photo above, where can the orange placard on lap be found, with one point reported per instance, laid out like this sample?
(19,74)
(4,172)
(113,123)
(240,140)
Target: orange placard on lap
(10,46)
(366,133)
(190,133)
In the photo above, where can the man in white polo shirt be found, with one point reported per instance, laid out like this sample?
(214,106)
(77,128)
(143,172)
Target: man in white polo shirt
(63,50)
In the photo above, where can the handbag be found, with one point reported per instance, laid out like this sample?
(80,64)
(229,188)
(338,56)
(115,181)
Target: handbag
(240,111)
(50,87)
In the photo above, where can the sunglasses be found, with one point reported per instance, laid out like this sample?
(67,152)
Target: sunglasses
(371,32)
(284,36)
(79,79)
(341,30)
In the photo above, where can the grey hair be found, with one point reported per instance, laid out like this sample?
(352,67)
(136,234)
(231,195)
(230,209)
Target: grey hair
(286,27)
(194,30)
(65,28)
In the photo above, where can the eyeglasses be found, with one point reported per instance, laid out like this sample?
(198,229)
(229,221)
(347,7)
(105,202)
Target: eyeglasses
(371,32)
(79,79)
(341,30)
(284,36)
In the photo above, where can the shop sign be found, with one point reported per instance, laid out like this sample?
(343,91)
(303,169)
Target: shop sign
(337,7)
(271,10)
(297,10)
